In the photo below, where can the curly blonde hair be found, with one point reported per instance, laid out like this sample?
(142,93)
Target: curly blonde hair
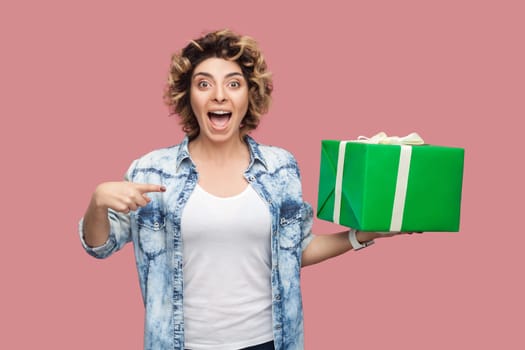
(228,45)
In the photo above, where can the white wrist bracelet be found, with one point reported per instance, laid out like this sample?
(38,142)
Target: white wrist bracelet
(352,237)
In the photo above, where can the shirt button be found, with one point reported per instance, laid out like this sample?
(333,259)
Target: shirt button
(251,178)
(278,297)
(156,224)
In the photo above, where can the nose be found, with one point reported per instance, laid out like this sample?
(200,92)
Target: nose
(220,94)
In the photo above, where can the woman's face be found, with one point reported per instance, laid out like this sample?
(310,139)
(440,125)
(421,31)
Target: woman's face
(219,98)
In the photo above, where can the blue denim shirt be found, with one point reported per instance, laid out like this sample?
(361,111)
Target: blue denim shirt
(155,231)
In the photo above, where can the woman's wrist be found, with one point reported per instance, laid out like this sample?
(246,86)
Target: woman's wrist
(96,207)
(359,242)
(363,236)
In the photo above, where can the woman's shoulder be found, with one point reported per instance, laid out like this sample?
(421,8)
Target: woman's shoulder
(275,151)
(161,153)
(276,156)
(160,159)
(158,154)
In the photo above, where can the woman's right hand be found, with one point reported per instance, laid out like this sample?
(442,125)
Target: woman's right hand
(123,196)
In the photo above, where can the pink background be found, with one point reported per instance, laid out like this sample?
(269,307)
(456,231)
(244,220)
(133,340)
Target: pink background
(81,86)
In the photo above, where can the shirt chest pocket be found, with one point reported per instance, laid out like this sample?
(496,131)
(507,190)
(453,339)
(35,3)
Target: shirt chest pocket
(151,223)
(290,226)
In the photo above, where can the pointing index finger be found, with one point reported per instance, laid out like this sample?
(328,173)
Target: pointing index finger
(146,188)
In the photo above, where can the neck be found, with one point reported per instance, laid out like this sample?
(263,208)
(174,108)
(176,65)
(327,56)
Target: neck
(203,149)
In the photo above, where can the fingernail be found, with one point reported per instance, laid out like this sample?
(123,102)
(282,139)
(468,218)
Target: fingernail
(162,188)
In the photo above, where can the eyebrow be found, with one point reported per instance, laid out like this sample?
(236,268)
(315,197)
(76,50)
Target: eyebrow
(211,76)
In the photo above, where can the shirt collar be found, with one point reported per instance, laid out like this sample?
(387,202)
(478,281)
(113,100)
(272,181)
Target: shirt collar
(255,152)
(183,153)
(253,147)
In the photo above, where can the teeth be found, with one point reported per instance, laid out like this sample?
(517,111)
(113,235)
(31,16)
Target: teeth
(220,112)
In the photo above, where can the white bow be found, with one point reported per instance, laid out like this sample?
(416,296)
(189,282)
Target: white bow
(382,138)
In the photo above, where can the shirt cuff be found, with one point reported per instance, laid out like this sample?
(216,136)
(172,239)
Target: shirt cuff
(306,241)
(101,251)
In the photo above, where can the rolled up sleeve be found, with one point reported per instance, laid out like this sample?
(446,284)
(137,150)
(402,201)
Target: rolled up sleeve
(119,235)
(306,225)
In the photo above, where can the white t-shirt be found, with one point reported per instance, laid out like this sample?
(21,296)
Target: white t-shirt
(227,271)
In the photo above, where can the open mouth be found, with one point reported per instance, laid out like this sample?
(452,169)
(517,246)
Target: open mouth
(219,119)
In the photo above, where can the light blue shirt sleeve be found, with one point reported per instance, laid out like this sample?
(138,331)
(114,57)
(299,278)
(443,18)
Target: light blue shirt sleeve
(119,235)
(306,225)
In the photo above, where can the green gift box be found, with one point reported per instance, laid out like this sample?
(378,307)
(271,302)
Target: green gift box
(390,188)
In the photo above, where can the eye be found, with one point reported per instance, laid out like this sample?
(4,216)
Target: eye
(234,84)
(203,84)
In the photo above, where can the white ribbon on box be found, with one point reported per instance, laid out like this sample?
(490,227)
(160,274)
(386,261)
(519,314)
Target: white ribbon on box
(383,139)
(405,155)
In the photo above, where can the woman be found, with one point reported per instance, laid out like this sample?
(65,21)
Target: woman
(219,226)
